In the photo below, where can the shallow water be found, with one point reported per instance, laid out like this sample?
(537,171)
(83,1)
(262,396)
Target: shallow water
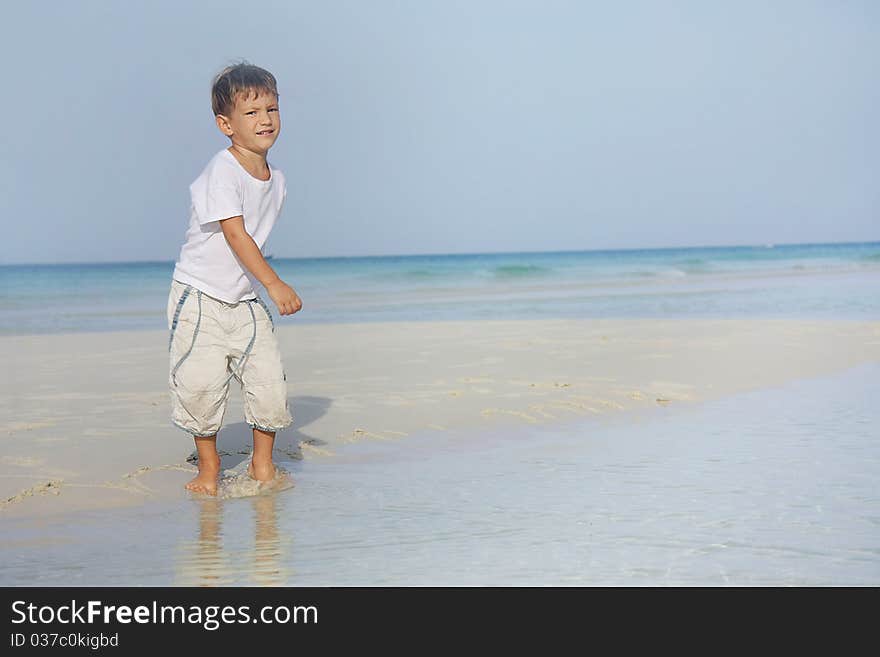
(234,483)
(772,487)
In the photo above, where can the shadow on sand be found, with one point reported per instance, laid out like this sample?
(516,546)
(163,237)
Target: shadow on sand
(235,441)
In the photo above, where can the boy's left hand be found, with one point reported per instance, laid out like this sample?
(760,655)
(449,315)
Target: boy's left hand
(285,297)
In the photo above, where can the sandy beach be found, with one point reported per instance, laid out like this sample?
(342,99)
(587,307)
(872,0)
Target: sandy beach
(86,425)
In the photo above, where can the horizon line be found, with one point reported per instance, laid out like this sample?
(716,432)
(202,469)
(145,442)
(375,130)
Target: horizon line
(461,253)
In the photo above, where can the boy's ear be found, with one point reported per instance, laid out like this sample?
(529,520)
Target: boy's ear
(224,125)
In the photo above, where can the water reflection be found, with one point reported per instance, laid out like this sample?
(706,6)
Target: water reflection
(267,569)
(225,557)
(203,562)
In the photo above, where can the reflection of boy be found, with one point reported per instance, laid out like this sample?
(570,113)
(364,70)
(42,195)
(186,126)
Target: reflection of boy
(219,326)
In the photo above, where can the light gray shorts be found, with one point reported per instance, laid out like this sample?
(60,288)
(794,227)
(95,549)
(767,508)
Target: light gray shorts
(210,343)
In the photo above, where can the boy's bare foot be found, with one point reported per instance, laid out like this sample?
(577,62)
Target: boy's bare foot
(261,470)
(206,481)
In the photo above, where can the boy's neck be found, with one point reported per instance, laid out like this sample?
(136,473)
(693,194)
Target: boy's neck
(254,163)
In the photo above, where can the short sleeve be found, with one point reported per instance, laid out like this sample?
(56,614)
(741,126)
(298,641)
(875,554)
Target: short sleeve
(222,202)
(218,194)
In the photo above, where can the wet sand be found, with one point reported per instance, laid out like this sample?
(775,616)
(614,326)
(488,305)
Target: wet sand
(86,416)
(774,487)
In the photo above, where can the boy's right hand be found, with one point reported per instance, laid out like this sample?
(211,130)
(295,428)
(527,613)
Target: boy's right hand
(285,297)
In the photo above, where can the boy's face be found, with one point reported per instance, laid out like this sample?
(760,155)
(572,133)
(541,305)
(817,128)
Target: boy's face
(254,123)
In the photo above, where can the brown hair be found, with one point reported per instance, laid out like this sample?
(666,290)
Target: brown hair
(240,78)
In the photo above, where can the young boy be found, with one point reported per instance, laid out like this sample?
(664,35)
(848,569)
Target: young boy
(219,325)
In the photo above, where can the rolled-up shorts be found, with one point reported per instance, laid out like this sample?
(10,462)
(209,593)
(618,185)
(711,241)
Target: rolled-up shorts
(211,342)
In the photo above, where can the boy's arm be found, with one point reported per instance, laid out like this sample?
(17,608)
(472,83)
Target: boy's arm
(243,245)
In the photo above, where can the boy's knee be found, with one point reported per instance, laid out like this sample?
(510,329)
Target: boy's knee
(266,406)
(199,412)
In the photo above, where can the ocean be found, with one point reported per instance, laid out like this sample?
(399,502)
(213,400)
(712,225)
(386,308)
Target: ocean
(797,281)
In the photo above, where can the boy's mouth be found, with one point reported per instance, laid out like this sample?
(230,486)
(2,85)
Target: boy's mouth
(265,132)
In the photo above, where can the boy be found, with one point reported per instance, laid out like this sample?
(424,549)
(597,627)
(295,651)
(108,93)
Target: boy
(219,326)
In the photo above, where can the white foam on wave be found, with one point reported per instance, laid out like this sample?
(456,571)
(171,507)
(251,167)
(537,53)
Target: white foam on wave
(671,273)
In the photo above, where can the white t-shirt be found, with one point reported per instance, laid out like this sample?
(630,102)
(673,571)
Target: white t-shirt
(224,189)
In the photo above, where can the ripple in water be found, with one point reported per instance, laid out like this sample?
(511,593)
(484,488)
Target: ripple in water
(236,482)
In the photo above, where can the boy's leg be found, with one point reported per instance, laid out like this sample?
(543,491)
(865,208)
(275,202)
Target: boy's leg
(209,466)
(264,388)
(261,467)
(197,376)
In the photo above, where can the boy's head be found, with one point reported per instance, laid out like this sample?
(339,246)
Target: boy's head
(244,98)
(240,79)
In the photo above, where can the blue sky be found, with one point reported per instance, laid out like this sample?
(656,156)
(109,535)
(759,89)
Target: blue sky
(445,126)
